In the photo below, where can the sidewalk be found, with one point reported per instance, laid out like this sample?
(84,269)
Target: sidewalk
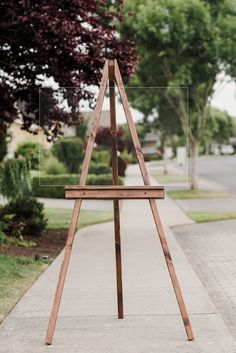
(87,320)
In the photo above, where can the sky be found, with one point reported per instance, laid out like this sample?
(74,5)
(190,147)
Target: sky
(223,99)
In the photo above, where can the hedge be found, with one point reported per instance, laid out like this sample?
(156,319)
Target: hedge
(52,186)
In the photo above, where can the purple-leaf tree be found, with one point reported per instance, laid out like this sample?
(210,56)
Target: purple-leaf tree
(67,40)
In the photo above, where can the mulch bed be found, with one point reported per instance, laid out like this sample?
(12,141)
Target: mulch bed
(49,244)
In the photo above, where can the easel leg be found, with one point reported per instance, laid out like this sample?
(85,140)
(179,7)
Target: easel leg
(171,270)
(155,213)
(118,259)
(76,210)
(111,76)
(63,271)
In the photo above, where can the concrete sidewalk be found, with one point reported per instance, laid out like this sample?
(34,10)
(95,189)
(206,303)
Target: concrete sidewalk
(87,320)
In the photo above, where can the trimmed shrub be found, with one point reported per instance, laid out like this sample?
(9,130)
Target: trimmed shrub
(27,211)
(52,186)
(99,168)
(53,166)
(70,151)
(101,156)
(31,151)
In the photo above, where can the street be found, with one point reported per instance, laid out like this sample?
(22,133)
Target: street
(219,169)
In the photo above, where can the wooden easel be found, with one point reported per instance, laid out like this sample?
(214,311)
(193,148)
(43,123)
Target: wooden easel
(111,72)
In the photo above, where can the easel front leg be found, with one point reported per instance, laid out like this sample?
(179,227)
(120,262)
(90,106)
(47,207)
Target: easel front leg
(155,213)
(111,75)
(171,270)
(63,271)
(118,259)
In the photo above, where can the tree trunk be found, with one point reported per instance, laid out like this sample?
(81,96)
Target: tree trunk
(165,170)
(194,165)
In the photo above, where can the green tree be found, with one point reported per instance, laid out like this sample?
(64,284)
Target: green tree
(3,145)
(184,44)
(219,127)
(70,151)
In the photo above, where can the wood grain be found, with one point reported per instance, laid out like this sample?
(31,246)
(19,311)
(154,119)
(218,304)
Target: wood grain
(109,193)
(153,205)
(76,210)
(115,177)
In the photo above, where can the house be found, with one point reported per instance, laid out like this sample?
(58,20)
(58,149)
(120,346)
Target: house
(18,135)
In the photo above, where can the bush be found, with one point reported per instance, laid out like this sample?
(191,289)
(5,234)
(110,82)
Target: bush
(122,165)
(3,145)
(30,150)
(27,211)
(53,166)
(99,168)
(101,156)
(53,185)
(70,151)
(129,158)
(14,178)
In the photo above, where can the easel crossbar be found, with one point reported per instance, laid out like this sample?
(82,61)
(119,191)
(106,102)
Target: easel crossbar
(114,192)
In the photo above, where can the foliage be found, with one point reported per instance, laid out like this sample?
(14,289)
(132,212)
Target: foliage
(99,168)
(59,218)
(31,151)
(15,241)
(53,185)
(29,212)
(219,127)
(51,165)
(14,176)
(10,226)
(65,40)
(3,145)
(81,129)
(104,138)
(128,158)
(194,41)
(70,151)
(141,129)
(101,156)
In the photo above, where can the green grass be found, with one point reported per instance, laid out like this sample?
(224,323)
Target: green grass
(18,273)
(59,218)
(200,217)
(171,178)
(196,194)
(16,276)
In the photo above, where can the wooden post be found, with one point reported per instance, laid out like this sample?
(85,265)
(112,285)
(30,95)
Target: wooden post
(153,205)
(111,73)
(76,210)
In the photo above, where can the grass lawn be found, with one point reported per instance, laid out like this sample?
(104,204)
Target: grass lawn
(171,178)
(16,276)
(200,217)
(196,194)
(18,273)
(59,218)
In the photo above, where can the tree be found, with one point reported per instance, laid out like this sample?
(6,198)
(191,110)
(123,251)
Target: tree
(69,151)
(184,44)
(219,127)
(67,40)
(104,138)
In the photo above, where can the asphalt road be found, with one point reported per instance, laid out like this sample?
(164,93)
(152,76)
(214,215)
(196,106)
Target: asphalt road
(219,169)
